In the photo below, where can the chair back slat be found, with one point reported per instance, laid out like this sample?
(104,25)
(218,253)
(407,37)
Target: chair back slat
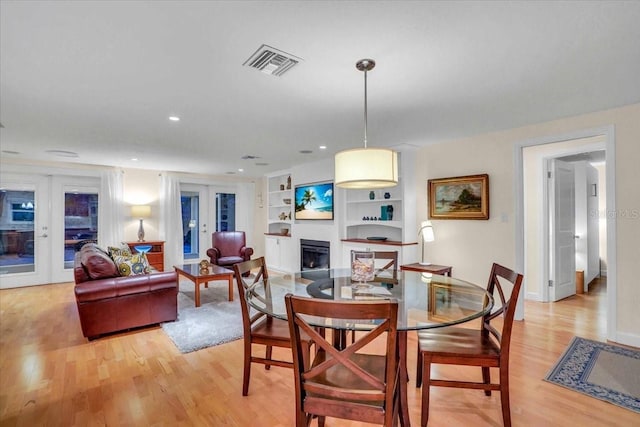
(243,285)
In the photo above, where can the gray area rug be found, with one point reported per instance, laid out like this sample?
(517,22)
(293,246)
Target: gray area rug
(216,321)
(605,371)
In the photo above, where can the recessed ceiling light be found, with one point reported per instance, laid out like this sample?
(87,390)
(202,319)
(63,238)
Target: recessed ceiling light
(174,118)
(62,153)
(240,170)
(134,159)
(323,147)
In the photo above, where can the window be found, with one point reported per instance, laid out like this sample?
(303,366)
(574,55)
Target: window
(190,202)
(22,211)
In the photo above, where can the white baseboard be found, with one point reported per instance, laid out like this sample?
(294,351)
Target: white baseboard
(628,339)
(531,296)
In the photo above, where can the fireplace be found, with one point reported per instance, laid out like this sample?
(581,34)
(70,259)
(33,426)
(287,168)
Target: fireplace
(314,254)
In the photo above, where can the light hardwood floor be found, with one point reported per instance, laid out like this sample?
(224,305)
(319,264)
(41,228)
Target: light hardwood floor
(50,375)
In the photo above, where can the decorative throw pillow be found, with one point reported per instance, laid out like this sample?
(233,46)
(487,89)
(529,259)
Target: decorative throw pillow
(132,265)
(121,251)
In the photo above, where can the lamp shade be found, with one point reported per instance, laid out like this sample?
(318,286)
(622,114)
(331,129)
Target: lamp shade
(427,231)
(141,211)
(361,168)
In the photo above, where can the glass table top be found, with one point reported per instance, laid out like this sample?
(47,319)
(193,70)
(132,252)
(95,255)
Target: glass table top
(424,300)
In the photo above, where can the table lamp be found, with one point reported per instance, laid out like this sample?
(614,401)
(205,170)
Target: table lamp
(141,212)
(426,230)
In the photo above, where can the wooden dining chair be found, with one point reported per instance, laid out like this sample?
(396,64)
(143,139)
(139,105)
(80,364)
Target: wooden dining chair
(386,272)
(260,328)
(353,383)
(486,347)
(390,268)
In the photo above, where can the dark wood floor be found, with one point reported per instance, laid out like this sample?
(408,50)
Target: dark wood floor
(50,375)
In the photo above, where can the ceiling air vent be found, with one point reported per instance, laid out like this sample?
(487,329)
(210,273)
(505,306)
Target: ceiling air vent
(272,61)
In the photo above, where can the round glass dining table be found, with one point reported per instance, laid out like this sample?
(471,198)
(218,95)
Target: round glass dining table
(424,301)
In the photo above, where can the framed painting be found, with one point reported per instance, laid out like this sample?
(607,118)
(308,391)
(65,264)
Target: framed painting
(461,197)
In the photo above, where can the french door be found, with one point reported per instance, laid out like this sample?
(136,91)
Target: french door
(24,230)
(42,220)
(74,212)
(205,209)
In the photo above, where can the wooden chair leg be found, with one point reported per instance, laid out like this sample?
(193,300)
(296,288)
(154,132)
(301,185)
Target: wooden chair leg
(419,369)
(247,368)
(504,396)
(426,388)
(486,378)
(268,353)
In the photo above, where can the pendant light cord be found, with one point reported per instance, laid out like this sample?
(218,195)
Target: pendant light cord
(365,108)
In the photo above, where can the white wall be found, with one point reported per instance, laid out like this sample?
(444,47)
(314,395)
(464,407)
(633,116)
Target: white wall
(471,246)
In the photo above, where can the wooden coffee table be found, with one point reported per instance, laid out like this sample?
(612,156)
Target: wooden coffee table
(198,276)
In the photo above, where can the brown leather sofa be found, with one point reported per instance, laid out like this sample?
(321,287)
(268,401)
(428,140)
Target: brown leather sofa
(108,302)
(228,248)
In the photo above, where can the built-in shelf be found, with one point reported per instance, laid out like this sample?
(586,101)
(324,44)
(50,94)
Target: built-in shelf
(278,246)
(400,231)
(279,192)
(380,242)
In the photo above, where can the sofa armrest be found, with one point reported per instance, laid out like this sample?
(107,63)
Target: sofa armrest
(246,252)
(213,254)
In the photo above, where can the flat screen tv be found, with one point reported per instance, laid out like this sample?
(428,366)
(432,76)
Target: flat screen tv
(314,201)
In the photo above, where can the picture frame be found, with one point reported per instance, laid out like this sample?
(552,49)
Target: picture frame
(460,197)
(314,201)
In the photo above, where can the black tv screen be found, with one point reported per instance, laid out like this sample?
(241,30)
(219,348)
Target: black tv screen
(314,201)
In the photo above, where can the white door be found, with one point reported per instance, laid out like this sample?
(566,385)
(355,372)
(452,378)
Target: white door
(74,220)
(562,261)
(24,230)
(195,220)
(205,209)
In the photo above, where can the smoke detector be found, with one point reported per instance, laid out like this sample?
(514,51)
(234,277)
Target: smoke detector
(272,61)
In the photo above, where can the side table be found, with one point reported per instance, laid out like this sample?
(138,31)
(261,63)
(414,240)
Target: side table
(444,270)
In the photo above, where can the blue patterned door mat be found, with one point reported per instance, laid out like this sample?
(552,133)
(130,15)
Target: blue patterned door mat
(604,371)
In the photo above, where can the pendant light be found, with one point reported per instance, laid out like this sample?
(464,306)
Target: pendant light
(364,168)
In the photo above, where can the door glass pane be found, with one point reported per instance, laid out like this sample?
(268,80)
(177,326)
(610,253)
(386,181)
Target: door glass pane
(190,223)
(225,212)
(17,217)
(80,222)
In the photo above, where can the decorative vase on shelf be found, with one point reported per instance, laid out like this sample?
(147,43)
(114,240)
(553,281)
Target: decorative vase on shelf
(289,182)
(383,213)
(372,195)
(387,195)
(390,212)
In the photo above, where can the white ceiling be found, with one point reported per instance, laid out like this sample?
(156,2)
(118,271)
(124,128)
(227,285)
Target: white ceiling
(101,78)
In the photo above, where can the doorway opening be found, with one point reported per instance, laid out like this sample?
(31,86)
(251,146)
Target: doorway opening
(533,223)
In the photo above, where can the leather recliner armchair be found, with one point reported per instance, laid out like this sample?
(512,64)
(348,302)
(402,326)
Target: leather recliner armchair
(228,248)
